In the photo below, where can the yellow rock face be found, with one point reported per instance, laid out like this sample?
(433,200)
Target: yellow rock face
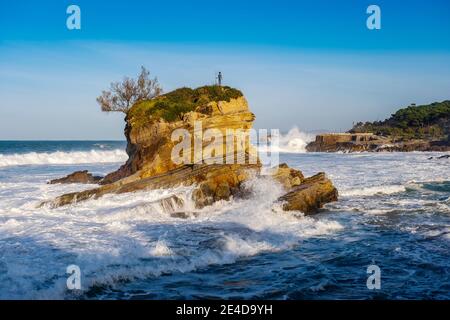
(150,145)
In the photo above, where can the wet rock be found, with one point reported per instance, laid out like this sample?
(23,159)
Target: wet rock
(223,192)
(311,195)
(288,177)
(211,176)
(78,177)
(183,215)
(171,204)
(204,195)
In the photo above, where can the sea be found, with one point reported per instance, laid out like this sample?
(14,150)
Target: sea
(393,213)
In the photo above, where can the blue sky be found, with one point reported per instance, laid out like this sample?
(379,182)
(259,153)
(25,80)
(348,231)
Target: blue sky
(311,64)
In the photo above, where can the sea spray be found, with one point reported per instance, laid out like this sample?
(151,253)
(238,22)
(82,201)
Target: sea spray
(295,141)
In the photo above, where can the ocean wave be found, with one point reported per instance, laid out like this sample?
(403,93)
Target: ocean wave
(295,141)
(59,157)
(131,237)
(371,191)
(123,238)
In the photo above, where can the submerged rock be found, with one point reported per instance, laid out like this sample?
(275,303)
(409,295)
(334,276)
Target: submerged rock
(78,177)
(149,129)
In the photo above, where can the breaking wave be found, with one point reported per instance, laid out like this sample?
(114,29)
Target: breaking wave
(129,237)
(371,191)
(295,141)
(129,245)
(59,157)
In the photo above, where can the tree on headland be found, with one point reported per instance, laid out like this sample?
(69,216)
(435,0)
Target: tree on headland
(123,95)
(424,121)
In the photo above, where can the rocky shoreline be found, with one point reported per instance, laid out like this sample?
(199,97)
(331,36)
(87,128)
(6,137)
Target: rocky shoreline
(368,142)
(413,128)
(150,166)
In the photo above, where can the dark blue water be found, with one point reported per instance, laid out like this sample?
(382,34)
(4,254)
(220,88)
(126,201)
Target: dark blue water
(414,265)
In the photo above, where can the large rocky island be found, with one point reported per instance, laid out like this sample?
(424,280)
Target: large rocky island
(148,130)
(415,128)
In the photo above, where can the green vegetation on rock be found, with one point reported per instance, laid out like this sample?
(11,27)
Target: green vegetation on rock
(420,122)
(171,106)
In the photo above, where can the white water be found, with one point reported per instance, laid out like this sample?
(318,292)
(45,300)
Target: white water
(127,237)
(370,191)
(76,157)
(295,141)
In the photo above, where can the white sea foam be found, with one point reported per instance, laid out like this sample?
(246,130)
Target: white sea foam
(129,236)
(371,191)
(161,249)
(76,157)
